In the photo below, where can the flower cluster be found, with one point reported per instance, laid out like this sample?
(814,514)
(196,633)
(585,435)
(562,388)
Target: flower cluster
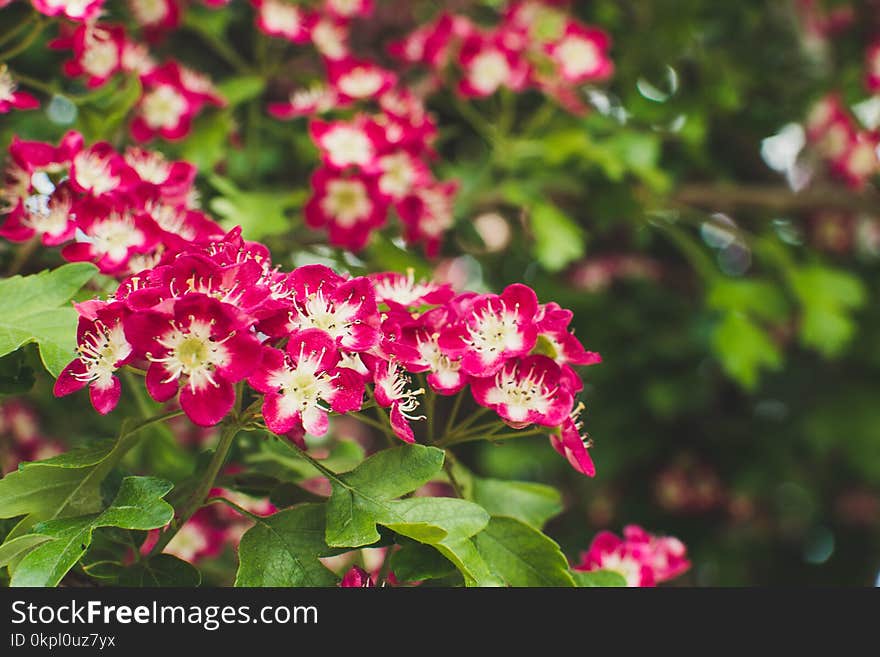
(122,211)
(642,558)
(10,97)
(536,45)
(216,313)
(172,94)
(21,437)
(849,149)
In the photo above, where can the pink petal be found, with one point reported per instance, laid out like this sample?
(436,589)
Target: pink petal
(207,405)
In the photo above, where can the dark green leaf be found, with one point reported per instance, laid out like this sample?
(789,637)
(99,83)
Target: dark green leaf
(598,578)
(160,570)
(521,555)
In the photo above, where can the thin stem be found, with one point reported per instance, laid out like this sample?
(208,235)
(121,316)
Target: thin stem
(200,494)
(476,120)
(34,83)
(366,419)
(219,46)
(453,414)
(25,43)
(448,466)
(469,421)
(11,34)
(503,436)
(430,403)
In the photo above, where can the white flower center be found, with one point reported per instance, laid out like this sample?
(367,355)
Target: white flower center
(361,82)
(151,167)
(397,176)
(329,40)
(394,384)
(163,107)
(578,56)
(520,394)
(192,352)
(101,57)
(345,7)
(347,145)
(7,85)
(403,290)
(148,12)
(281,17)
(488,71)
(99,351)
(626,566)
(47,215)
(302,387)
(114,236)
(188,542)
(73,8)
(863,160)
(438,217)
(347,202)
(93,173)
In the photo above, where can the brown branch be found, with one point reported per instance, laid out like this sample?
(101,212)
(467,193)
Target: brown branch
(767,197)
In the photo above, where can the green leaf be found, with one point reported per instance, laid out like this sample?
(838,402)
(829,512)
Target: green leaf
(361,497)
(105,112)
(20,546)
(521,555)
(744,349)
(829,297)
(240,89)
(138,505)
(415,562)
(36,309)
(160,570)
(206,145)
(598,578)
(558,238)
(16,377)
(283,550)
(758,298)
(259,213)
(533,504)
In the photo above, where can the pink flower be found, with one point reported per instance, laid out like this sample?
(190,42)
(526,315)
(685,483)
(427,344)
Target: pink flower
(330,37)
(155,16)
(283,19)
(203,536)
(428,44)
(859,161)
(343,309)
(357,578)
(304,383)
(872,66)
(348,205)
(109,237)
(97,51)
(345,144)
(99,170)
(391,391)
(488,65)
(355,79)
(10,98)
(402,290)
(48,216)
(428,213)
(568,441)
(305,102)
(642,558)
(167,180)
(346,9)
(102,349)
(202,340)
(525,391)
(495,329)
(75,10)
(581,54)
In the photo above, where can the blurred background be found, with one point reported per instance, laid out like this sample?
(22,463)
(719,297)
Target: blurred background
(718,246)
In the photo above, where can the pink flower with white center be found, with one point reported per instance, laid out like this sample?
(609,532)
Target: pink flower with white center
(75,10)
(356,79)
(392,390)
(100,170)
(10,97)
(487,66)
(430,44)
(201,537)
(164,111)
(642,558)
(569,441)
(496,328)
(428,213)
(304,385)
(357,578)
(330,38)
(97,52)
(346,9)
(172,180)
(31,167)
(101,350)
(581,54)
(404,291)
(872,66)
(345,311)
(525,391)
(416,344)
(109,238)
(49,216)
(400,173)
(198,88)
(189,225)
(859,162)
(317,99)
(136,58)
(155,14)
(349,206)
(283,19)
(203,344)
(345,144)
